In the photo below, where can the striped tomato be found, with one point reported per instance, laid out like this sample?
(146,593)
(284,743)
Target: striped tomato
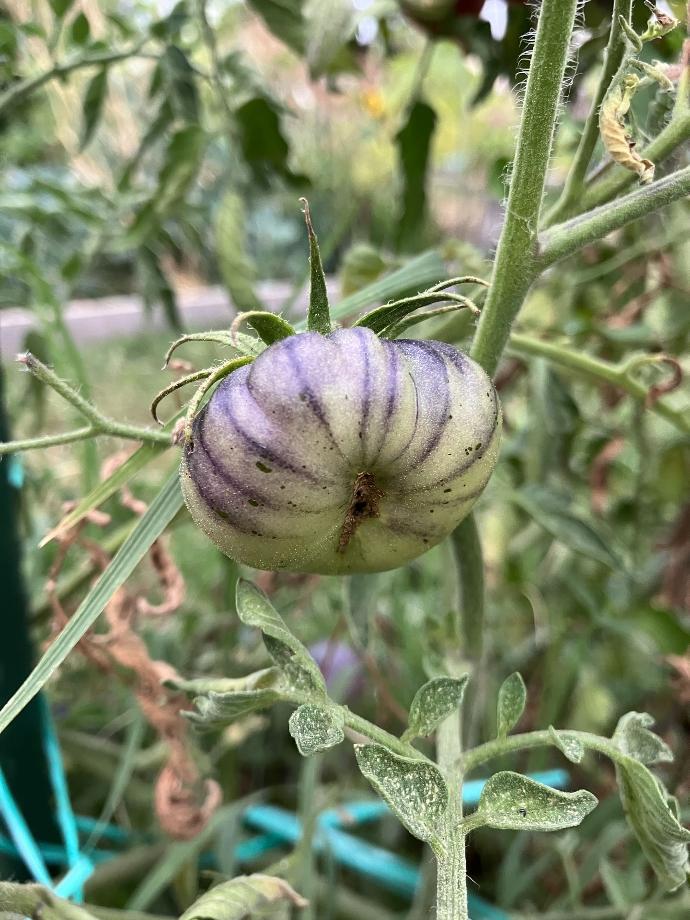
(341,453)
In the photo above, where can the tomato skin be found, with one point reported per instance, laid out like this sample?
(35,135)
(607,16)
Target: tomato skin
(341,453)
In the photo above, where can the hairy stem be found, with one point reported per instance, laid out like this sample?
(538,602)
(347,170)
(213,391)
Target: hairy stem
(467,550)
(451,878)
(516,265)
(567,238)
(99,423)
(523,742)
(590,134)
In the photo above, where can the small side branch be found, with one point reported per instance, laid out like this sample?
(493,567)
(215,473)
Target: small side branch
(567,238)
(99,424)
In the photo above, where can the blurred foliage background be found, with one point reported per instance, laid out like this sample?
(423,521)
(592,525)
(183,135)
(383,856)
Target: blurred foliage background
(154,149)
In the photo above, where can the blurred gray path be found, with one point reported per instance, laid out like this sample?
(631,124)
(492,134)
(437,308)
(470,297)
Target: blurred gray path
(115,317)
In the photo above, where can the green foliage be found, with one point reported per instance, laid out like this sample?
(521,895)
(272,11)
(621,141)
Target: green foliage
(510,801)
(299,668)
(512,698)
(245,896)
(316,728)
(416,792)
(432,703)
(414,149)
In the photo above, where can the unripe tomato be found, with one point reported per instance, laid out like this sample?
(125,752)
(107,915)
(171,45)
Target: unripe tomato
(341,453)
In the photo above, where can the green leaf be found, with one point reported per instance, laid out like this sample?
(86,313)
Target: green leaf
(263,143)
(60,7)
(417,273)
(318,316)
(92,107)
(244,897)
(220,701)
(300,669)
(414,148)
(180,165)
(80,30)
(567,744)
(284,19)
(179,78)
(147,530)
(236,266)
(171,25)
(510,801)
(156,289)
(414,790)
(316,728)
(552,512)
(268,326)
(512,698)
(361,265)
(330,24)
(634,739)
(647,806)
(436,699)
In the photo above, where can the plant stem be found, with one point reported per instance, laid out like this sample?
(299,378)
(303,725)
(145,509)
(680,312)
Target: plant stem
(600,371)
(500,746)
(306,868)
(567,238)
(588,139)
(379,735)
(467,550)
(99,423)
(451,880)
(20,91)
(516,265)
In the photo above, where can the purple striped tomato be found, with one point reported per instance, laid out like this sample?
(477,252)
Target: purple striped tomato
(341,453)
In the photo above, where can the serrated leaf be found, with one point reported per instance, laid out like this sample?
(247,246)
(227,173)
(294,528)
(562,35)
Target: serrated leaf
(553,513)
(414,790)
(567,744)
(634,739)
(284,19)
(244,897)
(316,728)
(300,669)
(647,806)
(435,700)
(92,107)
(510,801)
(512,698)
(236,266)
(414,148)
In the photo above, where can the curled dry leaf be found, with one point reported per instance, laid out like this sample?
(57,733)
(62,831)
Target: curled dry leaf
(184,802)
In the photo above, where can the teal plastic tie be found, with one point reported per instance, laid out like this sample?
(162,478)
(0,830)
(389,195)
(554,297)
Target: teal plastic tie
(65,815)
(21,836)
